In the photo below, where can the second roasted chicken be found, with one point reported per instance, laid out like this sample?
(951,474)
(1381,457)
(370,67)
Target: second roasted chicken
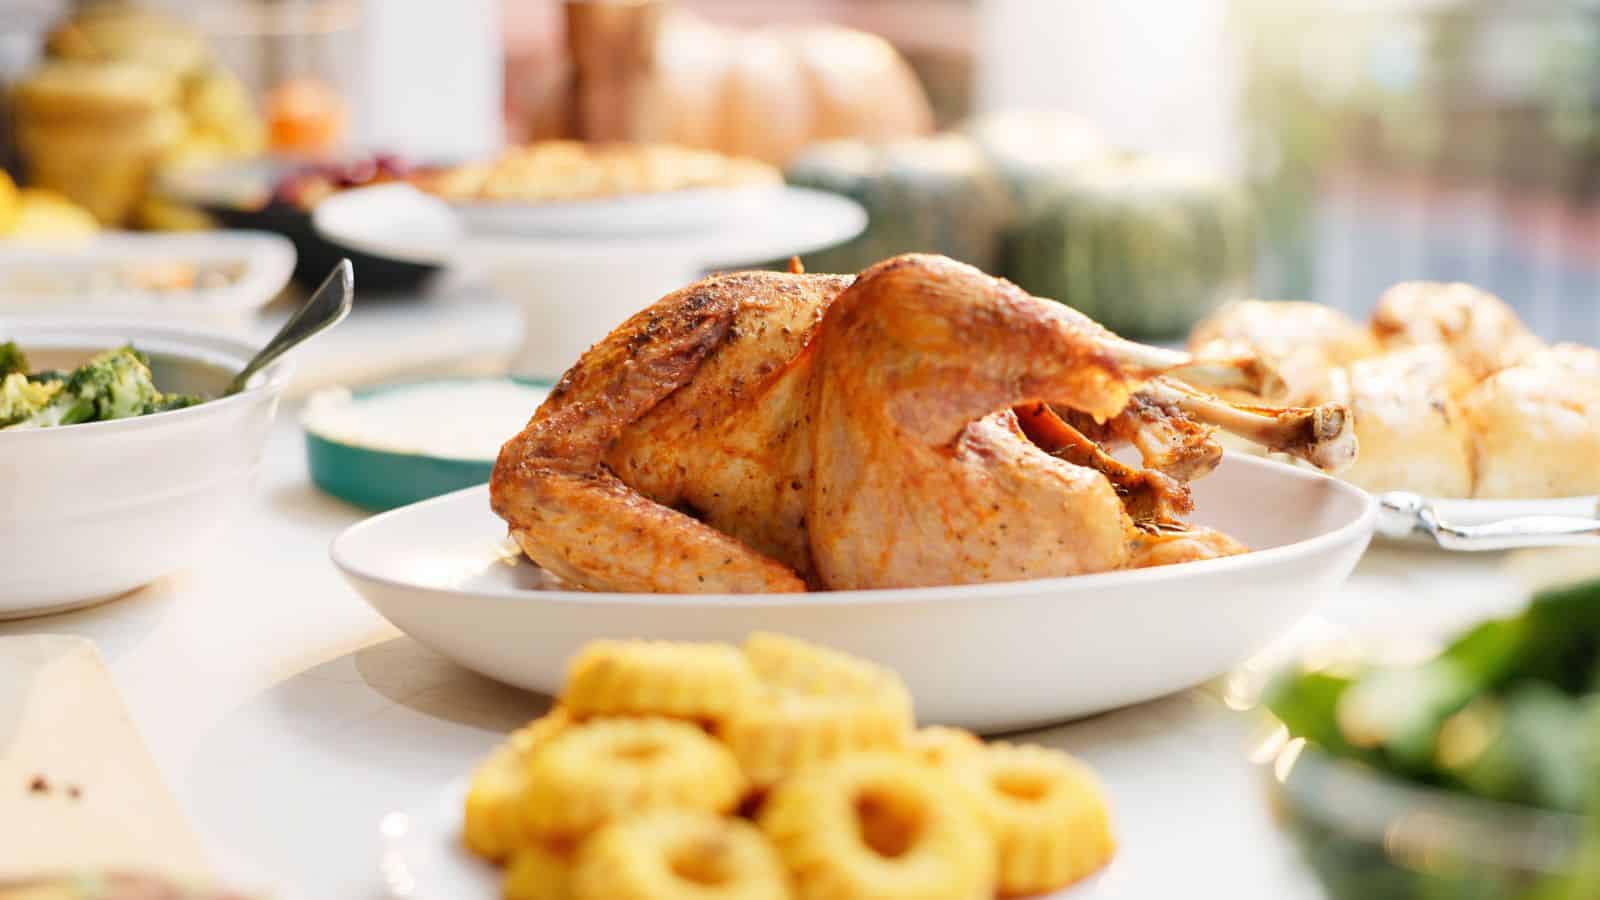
(920,424)
(1452,395)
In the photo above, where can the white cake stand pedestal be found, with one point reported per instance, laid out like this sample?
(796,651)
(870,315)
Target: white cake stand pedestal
(575,288)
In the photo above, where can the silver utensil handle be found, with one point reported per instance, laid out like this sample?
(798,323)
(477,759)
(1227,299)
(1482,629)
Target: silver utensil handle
(326,307)
(1506,534)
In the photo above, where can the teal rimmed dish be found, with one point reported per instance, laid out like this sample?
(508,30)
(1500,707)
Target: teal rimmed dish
(377,478)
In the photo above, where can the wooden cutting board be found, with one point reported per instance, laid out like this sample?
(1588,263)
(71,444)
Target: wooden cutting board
(78,788)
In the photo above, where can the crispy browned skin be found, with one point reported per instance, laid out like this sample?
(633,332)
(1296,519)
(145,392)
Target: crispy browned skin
(773,432)
(663,413)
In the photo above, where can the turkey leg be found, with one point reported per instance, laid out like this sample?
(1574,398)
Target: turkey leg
(950,345)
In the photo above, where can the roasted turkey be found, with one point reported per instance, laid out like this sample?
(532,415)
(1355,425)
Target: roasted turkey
(1452,395)
(920,424)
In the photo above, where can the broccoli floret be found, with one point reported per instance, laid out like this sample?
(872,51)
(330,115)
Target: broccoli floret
(64,409)
(21,399)
(12,359)
(115,384)
(169,402)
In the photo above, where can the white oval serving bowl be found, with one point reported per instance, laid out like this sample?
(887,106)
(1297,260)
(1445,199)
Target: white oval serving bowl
(77,278)
(992,657)
(91,511)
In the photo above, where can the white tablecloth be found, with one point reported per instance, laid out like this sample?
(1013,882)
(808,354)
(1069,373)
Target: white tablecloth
(289,718)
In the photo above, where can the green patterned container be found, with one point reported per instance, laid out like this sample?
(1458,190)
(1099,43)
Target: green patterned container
(922,195)
(1145,246)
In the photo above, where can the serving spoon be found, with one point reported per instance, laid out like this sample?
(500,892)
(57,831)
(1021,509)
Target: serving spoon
(326,307)
(1401,512)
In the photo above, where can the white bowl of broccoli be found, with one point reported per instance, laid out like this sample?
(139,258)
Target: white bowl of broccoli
(116,467)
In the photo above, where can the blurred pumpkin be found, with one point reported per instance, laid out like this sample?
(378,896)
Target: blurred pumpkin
(1145,246)
(925,195)
(1030,146)
(763,92)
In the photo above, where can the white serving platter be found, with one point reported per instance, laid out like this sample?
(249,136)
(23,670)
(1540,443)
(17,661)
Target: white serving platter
(992,657)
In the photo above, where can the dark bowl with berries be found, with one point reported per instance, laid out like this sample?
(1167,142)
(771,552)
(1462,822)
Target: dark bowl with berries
(278,196)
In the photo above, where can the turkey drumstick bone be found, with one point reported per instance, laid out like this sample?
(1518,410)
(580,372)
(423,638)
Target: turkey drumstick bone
(1321,435)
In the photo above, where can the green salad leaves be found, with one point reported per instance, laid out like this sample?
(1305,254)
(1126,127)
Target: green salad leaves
(1509,711)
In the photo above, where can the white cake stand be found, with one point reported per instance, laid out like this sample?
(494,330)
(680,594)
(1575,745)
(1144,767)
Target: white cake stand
(575,288)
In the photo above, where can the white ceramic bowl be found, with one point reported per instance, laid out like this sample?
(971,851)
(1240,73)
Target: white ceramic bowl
(94,510)
(994,657)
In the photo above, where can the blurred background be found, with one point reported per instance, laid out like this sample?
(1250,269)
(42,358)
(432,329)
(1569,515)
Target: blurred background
(1140,160)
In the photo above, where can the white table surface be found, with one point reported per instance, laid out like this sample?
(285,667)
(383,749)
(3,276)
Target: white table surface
(289,718)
